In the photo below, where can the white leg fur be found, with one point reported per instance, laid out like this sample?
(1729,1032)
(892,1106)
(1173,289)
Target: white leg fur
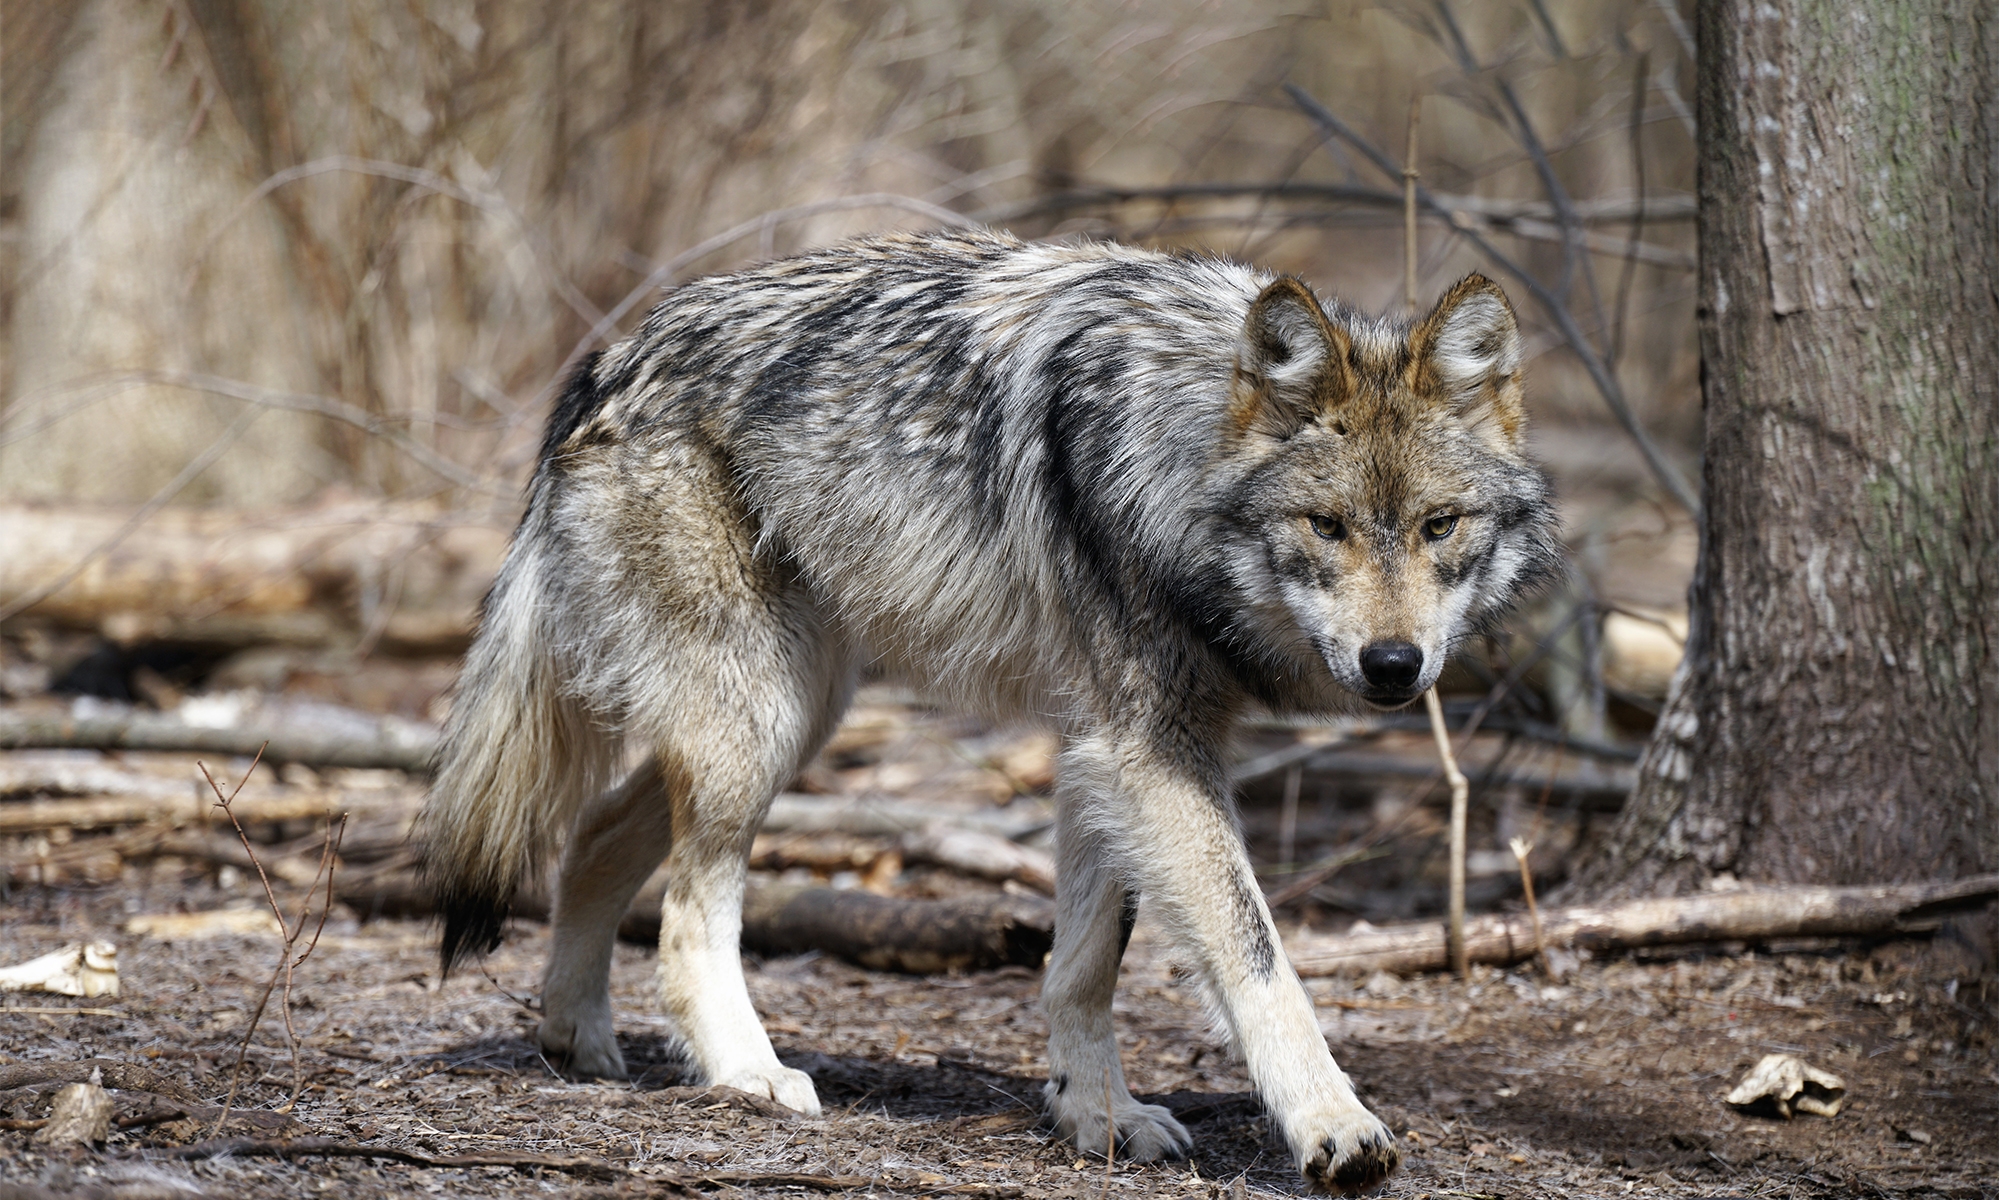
(1195,875)
(1085,1074)
(761,712)
(701,964)
(616,841)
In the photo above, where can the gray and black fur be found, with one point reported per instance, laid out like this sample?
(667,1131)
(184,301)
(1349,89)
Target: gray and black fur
(1129,494)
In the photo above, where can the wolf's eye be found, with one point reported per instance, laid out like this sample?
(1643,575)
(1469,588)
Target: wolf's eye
(1438,529)
(1333,529)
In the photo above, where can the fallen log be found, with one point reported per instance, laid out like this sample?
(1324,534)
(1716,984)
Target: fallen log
(1751,914)
(233,577)
(913,937)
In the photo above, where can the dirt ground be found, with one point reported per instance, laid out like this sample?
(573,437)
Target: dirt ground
(1608,1083)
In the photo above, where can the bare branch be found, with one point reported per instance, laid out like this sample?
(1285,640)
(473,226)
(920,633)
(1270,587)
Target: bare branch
(1446,206)
(1625,273)
(485,200)
(290,930)
(1608,387)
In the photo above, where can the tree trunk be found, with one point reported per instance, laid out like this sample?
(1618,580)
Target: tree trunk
(1834,718)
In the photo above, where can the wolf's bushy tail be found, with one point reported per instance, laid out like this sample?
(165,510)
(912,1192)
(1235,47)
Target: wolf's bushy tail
(518,756)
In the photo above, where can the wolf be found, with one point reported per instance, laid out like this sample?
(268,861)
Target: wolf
(1129,494)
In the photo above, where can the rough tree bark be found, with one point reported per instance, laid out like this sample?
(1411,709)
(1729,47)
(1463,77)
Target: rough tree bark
(1833,719)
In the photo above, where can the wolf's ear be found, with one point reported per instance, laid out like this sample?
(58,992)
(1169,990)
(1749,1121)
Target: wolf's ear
(1467,354)
(1292,366)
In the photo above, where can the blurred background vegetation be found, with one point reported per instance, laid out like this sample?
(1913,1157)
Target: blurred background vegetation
(262,257)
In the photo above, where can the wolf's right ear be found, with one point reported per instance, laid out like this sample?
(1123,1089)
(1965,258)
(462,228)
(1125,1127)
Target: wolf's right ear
(1292,365)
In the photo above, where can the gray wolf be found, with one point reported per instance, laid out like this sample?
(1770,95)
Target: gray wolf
(1126,493)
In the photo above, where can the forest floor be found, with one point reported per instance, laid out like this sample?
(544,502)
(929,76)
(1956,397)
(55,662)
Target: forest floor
(1607,1083)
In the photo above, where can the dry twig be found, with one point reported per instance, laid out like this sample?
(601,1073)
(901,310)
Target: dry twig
(1455,916)
(293,930)
(1521,848)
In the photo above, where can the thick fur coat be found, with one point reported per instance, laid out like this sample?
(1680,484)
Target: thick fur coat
(1129,494)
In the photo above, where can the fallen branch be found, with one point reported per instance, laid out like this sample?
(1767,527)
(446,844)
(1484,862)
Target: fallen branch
(34,815)
(1748,915)
(49,775)
(78,969)
(981,855)
(1601,787)
(1482,208)
(796,812)
(123,1076)
(589,1168)
(398,745)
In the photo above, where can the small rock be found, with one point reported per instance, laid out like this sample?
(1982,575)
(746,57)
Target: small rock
(1562,964)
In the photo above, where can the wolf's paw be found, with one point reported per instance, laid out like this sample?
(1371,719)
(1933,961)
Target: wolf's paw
(793,1089)
(1145,1132)
(586,1048)
(1352,1153)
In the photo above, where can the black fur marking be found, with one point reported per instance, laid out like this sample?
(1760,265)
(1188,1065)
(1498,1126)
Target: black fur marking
(1062,1084)
(580,400)
(1067,465)
(1128,916)
(1453,574)
(1250,914)
(473,923)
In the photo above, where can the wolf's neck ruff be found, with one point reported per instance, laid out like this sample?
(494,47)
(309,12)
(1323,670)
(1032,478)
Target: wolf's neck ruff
(1124,492)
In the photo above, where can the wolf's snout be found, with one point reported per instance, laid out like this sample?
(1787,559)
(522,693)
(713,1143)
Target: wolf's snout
(1391,666)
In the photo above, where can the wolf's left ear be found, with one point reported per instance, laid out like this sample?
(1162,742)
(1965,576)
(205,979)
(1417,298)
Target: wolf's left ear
(1467,354)
(1291,368)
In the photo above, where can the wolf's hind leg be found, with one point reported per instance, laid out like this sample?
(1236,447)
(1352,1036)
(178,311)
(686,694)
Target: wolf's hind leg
(614,844)
(1086,1081)
(718,806)
(753,707)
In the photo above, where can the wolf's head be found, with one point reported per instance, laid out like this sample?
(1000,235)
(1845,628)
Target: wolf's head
(1386,505)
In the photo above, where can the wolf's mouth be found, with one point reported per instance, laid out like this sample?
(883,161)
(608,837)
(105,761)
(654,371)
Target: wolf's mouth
(1388,701)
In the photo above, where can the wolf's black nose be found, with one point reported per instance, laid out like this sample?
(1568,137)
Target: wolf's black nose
(1391,666)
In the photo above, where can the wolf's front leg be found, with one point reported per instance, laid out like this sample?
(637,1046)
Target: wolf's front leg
(1086,1086)
(1194,872)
